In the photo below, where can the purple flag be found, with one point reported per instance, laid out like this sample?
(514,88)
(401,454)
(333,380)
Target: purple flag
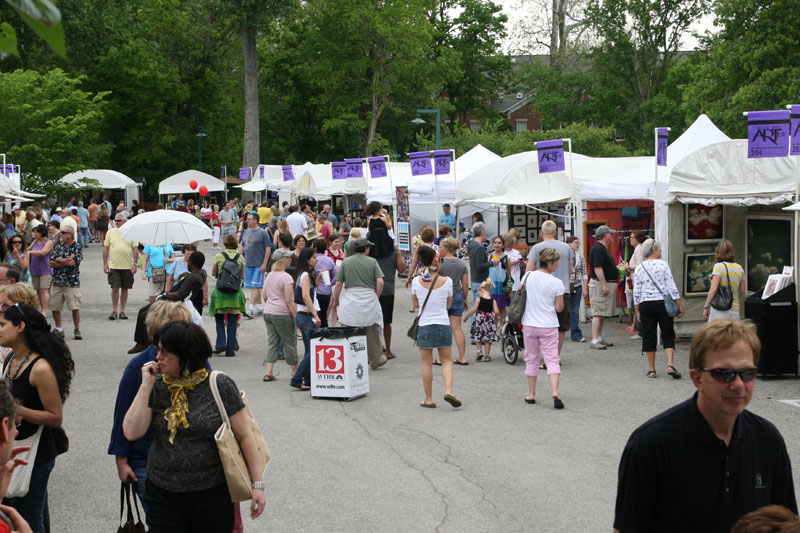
(6,170)
(767,134)
(261,171)
(355,168)
(338,171)
(551,156)
(661,147)
(420,163)
(377,166)
(288,173)
(223,171)
(244,173)
(441,161)
(794,119)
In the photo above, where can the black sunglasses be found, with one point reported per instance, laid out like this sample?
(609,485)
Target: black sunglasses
(726,375)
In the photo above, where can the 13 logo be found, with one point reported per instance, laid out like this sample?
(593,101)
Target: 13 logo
(330,359)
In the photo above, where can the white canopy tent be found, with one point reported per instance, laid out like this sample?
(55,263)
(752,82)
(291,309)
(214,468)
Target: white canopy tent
(108,180)
(273,175)
(179,183)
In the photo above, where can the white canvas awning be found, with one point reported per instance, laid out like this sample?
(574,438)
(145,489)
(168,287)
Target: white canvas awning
(273,175)
(179,183)
(108,179)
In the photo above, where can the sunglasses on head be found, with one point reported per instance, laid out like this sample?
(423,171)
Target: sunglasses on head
(726,375)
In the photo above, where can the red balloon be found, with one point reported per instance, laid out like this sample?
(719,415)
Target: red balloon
(203,190)
(193,184)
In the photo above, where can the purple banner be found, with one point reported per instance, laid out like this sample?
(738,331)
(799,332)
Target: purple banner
(767,134)
(420,163)
(441,162)
(355,168)
(223,171)
(551,156)
(338,171)
(661,147)
(244,173)
(261,171)
(794,126)
(377,167)
(288,173)
(7,170)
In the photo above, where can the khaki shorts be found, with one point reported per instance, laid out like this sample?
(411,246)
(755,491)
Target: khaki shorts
(71,296)
(41,282)
(602,305)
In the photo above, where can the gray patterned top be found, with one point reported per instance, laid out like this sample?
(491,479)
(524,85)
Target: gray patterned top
(192,462)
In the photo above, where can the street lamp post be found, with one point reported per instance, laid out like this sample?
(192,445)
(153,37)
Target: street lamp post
(200,136)
(438,114)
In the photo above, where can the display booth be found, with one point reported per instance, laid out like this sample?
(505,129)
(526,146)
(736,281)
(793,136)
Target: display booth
(109,180)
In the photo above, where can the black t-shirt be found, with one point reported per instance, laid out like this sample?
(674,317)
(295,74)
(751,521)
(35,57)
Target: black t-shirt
(677,475)
(600,258)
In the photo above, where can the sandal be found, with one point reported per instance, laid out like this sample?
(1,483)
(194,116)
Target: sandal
(268,378)
(465,363)
(428,405)
(437,363)
(391,356)
(674,372)
(452,400)
(651,374)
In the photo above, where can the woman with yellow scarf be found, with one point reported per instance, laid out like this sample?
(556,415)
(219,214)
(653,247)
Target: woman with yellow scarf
(185,488)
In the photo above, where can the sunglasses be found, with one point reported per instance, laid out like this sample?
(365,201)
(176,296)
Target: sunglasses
(4,307)
(16,242)
(726,375)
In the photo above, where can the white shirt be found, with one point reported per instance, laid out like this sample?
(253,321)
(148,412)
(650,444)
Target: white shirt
(304,307)
(297,224)
(516,270)
(644,290)
(436,309)
(541,290)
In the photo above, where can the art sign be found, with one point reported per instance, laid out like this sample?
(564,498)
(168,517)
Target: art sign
(551,156)
(338,170)
(661,147)
(377,166)
(794,127)
(288,173)
(441,162)
(244,173)
(767,134)
(420,163)
(355,168)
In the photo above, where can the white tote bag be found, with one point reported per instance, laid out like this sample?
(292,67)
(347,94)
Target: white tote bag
(21,478)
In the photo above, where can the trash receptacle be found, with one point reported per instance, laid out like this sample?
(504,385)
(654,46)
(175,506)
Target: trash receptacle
(776,319)
(339,366)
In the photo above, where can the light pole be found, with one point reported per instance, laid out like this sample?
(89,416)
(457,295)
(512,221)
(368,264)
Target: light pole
(438,114)
(200,136)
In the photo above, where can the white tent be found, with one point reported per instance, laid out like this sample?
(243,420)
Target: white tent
(273,175)
(108,179)
(721,174)
(179,183)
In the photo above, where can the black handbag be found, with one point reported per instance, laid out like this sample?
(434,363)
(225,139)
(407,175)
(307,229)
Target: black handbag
(412,331)
(723,299)
(130,525)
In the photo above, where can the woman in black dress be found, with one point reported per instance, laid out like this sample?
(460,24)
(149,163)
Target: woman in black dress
(379,226)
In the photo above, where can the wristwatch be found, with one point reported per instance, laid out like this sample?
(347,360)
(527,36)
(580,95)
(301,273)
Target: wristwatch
(258,485)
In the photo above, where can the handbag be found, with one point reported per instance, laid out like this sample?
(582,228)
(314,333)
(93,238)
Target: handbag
(159,275)
(672,308)
(508,283)
(21,478)
(131,525)
(237,475)
(412,331)
(517,307)
(723,299)
(61,440)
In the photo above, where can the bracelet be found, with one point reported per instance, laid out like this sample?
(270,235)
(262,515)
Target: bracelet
(258,485)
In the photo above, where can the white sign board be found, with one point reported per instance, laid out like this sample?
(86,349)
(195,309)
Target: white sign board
(403,237)
(339,367)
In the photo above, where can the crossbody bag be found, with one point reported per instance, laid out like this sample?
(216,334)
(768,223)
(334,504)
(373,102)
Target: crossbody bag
(673,309)
(412,331)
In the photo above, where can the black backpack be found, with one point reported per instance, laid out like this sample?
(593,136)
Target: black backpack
(229,278)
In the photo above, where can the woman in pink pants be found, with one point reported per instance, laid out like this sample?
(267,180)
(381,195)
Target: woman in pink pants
(544,299)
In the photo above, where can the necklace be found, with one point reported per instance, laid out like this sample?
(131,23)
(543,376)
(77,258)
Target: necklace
(19,367)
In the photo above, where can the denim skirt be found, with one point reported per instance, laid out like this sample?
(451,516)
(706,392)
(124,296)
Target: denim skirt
(457,307)
(434,336)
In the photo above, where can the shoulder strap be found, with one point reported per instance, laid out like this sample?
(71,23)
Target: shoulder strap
(430,289)
(212,380)
(654,281)
(727,275)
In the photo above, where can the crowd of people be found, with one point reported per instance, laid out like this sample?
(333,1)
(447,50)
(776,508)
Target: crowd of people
(300,271)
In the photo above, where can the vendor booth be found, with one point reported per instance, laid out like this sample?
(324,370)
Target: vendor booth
(180,183)
(109,180)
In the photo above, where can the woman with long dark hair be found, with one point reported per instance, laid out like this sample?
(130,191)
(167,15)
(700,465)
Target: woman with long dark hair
(378,227)
(40,370)
(307,317)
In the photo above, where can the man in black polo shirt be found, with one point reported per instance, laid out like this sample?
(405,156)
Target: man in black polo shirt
(702,464)
(602,285)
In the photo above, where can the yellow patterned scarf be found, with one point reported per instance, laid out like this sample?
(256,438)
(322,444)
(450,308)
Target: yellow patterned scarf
(175,414)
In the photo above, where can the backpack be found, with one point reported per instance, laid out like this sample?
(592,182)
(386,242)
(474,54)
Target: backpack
(229,278)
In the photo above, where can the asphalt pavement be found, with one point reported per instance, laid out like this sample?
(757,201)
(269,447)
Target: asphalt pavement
(383,463)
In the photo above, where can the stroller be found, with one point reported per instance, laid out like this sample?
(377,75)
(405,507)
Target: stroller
(511,337)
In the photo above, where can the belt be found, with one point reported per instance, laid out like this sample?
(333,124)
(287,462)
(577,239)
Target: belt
(304,313)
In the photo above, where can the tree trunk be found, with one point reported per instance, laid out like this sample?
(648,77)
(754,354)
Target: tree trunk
(252,142)
(554,25)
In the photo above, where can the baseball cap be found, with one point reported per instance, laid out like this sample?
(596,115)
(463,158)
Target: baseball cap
(362,242)
(601,231)
(280,253)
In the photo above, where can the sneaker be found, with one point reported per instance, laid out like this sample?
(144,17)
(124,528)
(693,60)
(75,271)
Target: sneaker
(597,346)
(78,335)
(479,356)
(582,339)
(58,333)
(606,344)
(487,359)
(636,337)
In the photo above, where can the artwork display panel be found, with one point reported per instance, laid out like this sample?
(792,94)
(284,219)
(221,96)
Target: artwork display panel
(704,224)
(769,248)
(697,268)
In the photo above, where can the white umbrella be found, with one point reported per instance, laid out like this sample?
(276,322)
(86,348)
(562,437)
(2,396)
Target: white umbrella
(165,227)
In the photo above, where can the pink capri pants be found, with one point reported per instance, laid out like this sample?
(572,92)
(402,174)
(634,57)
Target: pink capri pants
(546,340)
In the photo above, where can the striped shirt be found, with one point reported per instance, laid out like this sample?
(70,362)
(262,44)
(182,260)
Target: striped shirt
(732,278)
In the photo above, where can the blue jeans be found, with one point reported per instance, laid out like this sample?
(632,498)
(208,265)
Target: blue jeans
(474,288)
(305,322)
(84,235)
(575,301)
(33,506)
(230,342)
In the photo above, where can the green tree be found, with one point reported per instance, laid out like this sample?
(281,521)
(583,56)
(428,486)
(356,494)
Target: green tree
(42,17)
(51,127)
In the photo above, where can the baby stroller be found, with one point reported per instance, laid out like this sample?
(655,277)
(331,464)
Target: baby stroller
(511,336)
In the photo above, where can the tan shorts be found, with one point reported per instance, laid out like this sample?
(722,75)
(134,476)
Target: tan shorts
(156,288)
(41,282)
(602,305)
(71,296)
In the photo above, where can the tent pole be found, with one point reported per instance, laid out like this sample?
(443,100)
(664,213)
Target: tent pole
(455,188)
(438,208)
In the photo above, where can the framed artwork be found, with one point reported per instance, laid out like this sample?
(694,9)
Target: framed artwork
(533,221)
(697,268)
(519,221)
(568,224)
(543,219)
(523,234)
(704,224)
(770,247)
(518,209)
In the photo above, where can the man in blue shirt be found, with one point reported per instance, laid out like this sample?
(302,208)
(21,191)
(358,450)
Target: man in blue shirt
(178,202)
(83,216)
(255,246)
(447,218)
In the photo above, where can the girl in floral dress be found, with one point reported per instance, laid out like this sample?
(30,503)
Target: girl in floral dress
(484,327)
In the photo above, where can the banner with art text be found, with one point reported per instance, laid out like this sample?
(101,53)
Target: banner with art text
(661,148)
(420,163)
(551,156)
(767,134)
